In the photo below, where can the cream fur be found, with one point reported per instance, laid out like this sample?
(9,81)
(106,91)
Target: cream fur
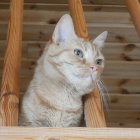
(61,79)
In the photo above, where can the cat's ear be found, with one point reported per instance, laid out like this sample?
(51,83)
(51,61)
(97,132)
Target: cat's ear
(99,41)
(64,29)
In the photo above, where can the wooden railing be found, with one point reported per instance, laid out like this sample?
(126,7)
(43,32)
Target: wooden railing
(134,9)
(9,99)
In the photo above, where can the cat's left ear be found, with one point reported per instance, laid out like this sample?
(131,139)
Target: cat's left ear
(99,41)
(64,30)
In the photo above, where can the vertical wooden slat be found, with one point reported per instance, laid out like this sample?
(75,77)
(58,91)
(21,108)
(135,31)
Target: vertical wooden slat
(94,114)
(77,14)
(10,79)
(134,9)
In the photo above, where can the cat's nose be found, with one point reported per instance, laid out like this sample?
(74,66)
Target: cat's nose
(94,68)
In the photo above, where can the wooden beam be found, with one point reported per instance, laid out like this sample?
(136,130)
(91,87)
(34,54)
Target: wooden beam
(22,133)
(134,9)
(50,17)
(100,2)
(93,111)
(64,7)
(10,81)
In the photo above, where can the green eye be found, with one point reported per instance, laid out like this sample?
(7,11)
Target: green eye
(99,61)
(78,53)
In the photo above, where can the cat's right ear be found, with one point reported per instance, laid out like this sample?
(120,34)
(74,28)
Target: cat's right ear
(64,30)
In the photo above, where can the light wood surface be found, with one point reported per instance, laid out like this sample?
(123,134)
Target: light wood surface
(17,133)
(93,109)
(134,9)
(42,16)
(10,81)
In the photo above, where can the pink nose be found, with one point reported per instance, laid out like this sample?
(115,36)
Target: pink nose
(94,68)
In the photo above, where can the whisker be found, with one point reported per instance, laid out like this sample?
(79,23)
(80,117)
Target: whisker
(104,97)
(104,94)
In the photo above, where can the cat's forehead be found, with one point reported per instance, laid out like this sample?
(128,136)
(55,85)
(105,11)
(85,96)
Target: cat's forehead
(88,47)
(83,44)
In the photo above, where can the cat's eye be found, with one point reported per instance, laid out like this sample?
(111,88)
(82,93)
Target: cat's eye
(78,53)
(99,61)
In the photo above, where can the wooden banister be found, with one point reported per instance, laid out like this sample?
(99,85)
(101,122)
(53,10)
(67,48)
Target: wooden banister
(94,114)
(10,80)
(134,10)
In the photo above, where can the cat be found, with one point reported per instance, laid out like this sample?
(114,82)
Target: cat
(68,69)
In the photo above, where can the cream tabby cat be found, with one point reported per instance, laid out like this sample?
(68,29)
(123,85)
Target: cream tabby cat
(68,69)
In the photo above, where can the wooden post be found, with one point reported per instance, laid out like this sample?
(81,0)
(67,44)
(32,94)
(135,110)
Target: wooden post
(77,14)
(134,9)
(10,80)
(94,114)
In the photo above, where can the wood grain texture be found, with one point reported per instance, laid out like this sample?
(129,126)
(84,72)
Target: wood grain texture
(10,80)
(118,101)
(112,51)
(43,16)
(134,9)
(76,11)
(58,138)
(102,2)
(78,133)
(64,7)
(93,110)
(117,33)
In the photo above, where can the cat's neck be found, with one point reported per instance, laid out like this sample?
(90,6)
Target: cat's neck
(55,89)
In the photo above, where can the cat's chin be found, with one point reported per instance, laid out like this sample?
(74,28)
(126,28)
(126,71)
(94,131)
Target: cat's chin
(85,90)
(83,85)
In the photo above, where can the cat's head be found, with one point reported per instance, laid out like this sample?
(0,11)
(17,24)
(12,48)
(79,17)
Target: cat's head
(76,59)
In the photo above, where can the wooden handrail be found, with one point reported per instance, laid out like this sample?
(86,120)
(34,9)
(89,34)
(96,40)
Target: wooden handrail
(134,10)
(94,114)
(10,80)
(79,133)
